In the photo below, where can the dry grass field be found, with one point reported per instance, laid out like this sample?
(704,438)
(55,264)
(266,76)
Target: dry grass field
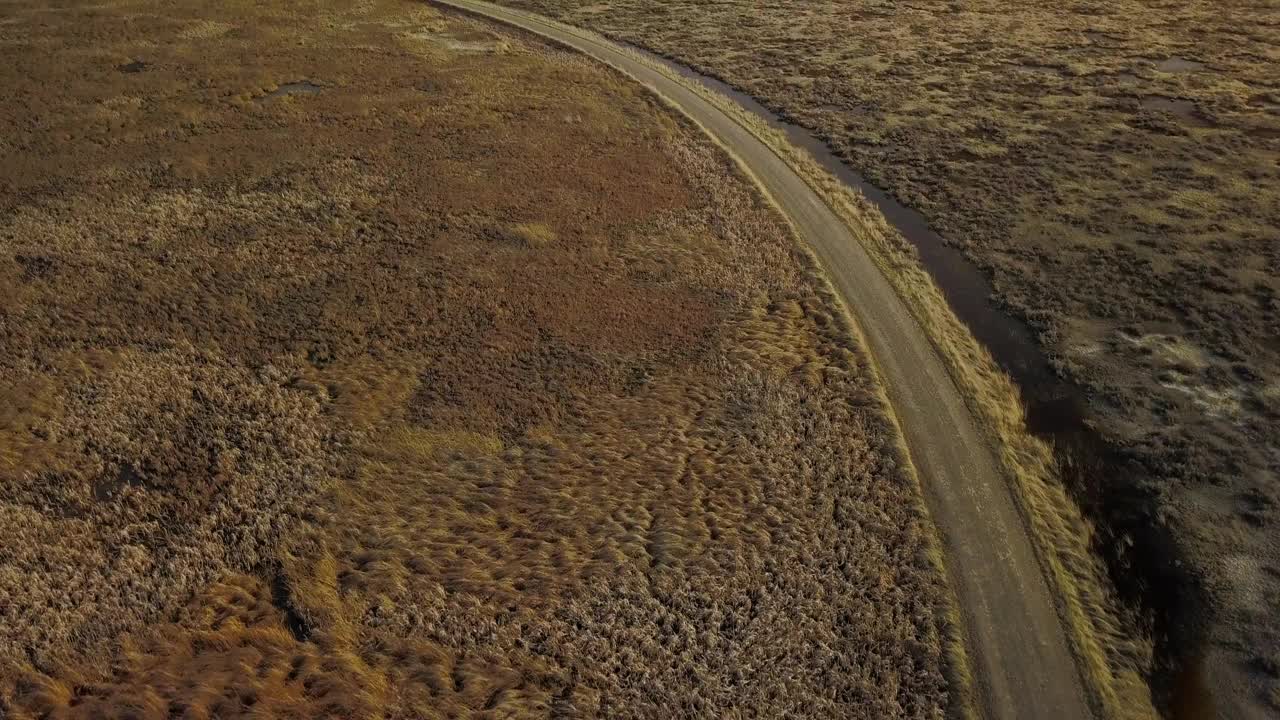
(1115,168)
(347,373)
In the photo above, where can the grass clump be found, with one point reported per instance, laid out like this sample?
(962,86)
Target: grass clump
(430,424)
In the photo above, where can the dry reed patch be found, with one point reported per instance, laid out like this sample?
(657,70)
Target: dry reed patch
(166,472)
(659,556)
(398,399)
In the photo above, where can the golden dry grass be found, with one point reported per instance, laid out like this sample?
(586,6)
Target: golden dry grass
(1112,166)
(1114,652)
(398,399)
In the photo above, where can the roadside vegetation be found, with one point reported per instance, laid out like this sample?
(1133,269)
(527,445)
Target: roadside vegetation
(345,375)
(1113,168)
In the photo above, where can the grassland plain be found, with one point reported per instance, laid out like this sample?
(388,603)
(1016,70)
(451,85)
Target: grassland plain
(1113,166)
(345,376)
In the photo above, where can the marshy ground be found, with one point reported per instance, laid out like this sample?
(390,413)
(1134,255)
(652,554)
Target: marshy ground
(346,375)
(1114,169)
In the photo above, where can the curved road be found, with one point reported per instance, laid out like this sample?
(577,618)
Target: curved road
(1017,647)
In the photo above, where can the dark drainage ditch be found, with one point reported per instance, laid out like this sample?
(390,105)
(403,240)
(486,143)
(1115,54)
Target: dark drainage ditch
(1141,556)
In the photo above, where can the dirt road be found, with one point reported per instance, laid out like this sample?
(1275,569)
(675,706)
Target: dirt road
(1021,660)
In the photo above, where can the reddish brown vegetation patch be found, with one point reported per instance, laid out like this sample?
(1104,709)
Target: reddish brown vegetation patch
(471,383)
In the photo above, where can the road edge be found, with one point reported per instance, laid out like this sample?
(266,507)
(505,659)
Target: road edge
(1059,533)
